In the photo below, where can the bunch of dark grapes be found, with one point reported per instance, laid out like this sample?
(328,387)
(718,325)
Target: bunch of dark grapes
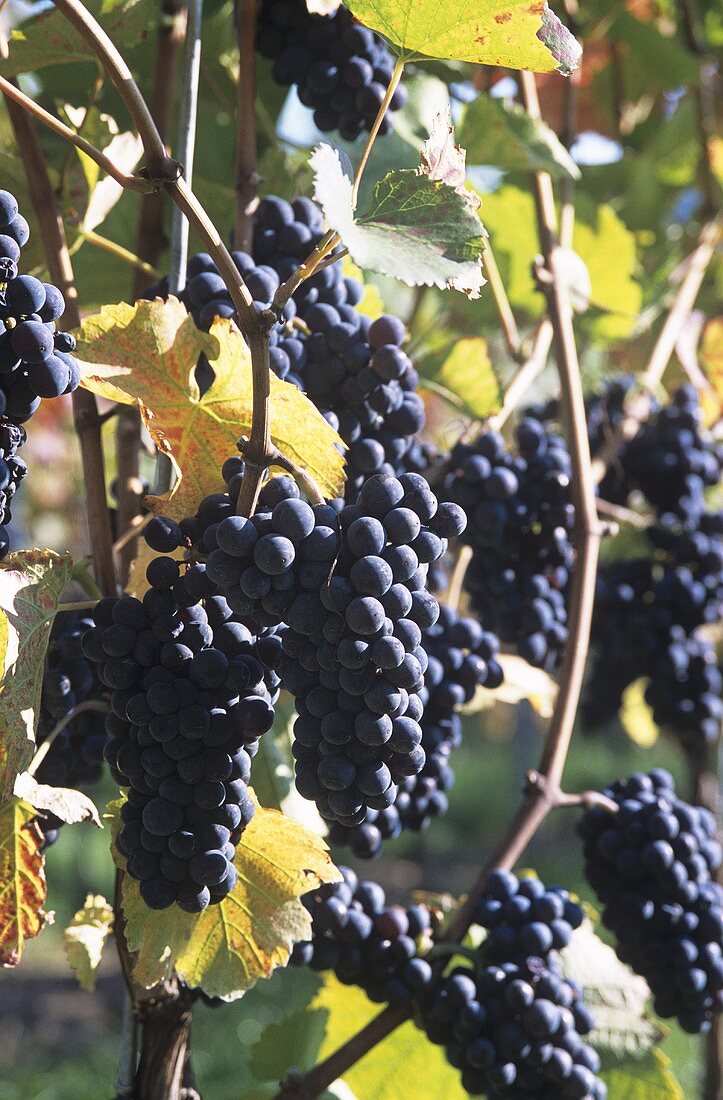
(515,1029)
(12,471)
(192,693)
(652,866)
(649,610)
(520,532)
(523,917)
(341,69)
(461,657)
(365,941)
(75,758)
(35,359)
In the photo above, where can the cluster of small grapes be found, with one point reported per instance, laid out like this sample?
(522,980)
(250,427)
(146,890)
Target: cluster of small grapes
(75,758)
(649,611)
(35,360)
(652,866)
(12,471)
(524,918)
(192,693)
(515,1029)
(520,531)
(341,69)
(461,657)
(365,941)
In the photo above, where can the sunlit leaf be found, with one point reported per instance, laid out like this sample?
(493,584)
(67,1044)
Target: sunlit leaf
(650,1079)
(494,32)
(31,582)
(417,229)
(22,880)
(468,372)
(227,948)
(711,353)
(146,355)
(66,803)
(85,937)
(636,715)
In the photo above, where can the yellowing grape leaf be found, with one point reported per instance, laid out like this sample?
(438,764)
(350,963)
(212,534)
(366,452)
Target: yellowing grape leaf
(468,372)
(227,948)
(516,34)
(146,354)
(85,937)
(649,1079)
(636,715)
(22,880)
(30,585)
(711,353)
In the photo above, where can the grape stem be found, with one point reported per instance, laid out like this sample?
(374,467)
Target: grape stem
(247,176)
(373,133)
(506,317)
(81,708)
(525,376)
(85,408)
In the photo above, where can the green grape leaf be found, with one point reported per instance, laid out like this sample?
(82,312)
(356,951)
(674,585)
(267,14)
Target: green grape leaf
(503,134)
(335,1014)
(507,33)
(272,772)
(468,372)
(649,1079)
(50,39)
(227,948)
(617,996)
(636,715)
(421,227)
(31,582)
(85,936)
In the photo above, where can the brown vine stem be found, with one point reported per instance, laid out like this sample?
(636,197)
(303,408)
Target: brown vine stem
(85,409)
(130,183)
(506,317)
(247,176)
(705,92)
(696,267)
(543,791)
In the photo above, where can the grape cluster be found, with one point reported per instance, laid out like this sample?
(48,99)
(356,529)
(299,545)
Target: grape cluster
(75,758)
(520,532)
(649,610)
(461,657)
(365,941)
(355,659)
(523,918)
(652,864)
(35,359)
(192,693)
(12,471)
(341,69)
(515,1029)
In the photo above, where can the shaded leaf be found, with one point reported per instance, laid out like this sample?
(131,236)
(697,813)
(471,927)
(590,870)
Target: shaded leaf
(146,355)
(22,880)
(227,948)
(636,716)
(468,372)
(272,772)
(50,39)
(651,1079)
(493,32)
(69,805)
(30,585)
(503,134)
(417,229)
(85,936)
(616,995)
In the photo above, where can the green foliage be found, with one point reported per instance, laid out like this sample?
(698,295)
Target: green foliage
(503,134)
